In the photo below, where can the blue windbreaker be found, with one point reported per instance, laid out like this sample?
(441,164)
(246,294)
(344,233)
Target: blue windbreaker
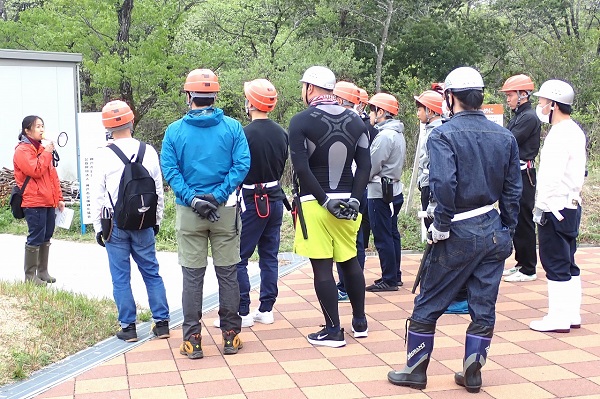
(205,152)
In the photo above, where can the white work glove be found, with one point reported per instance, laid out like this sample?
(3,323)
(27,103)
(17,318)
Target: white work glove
(431,208)
(539,217)
(437,235)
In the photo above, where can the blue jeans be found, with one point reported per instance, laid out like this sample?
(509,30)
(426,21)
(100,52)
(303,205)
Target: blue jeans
(473,255)
(40,222)
(558,243)
(384,225)
(140,245)
(264,233)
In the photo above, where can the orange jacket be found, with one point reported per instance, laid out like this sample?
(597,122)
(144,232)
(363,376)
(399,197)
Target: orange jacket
(43,189)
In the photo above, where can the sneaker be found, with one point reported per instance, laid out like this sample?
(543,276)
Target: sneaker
(247,321)
(380,280)
(512,270)
(458,307)
(333,340)
(264,317)
(128,334)
(192,348)
(161,329)
(381,286)
(520,277)
(360,328)
(343,296)
(231,343)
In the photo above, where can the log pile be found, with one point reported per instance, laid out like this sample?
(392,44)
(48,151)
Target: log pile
(70,189)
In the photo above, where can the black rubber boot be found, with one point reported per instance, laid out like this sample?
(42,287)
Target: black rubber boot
(32,259)
(477,346)
(419,345)
(42,270)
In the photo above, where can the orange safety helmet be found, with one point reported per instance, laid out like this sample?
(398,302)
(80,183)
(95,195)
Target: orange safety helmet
(202,81)
(261,94)
(431,99)
(364,96)
(517,83)
(116,113)
(385,101)
(347,91)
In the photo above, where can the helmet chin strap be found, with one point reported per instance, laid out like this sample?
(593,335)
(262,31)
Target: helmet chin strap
(551,112)
(450,106)
(519,98)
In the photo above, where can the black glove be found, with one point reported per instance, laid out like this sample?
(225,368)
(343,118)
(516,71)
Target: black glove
(99,239)
(210,198)
(353,210)
(203,207)
(338,208)
(156,229)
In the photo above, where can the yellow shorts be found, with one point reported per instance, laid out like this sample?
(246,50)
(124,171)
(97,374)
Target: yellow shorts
(328,236)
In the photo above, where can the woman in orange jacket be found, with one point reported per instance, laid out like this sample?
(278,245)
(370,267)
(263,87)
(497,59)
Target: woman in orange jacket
(40,198)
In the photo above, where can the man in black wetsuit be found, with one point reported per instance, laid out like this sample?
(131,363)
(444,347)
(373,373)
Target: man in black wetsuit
(324,140)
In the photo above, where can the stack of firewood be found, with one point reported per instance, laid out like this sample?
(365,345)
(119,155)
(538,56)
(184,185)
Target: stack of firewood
(70,189)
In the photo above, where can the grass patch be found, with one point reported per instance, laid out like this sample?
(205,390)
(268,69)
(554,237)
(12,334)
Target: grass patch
(41,325)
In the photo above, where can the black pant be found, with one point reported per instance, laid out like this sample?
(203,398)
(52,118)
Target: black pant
(425,193)
(524,239)
(558,243)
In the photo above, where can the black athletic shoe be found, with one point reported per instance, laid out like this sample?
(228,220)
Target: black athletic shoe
(128,334)
(333,340)
(381,286)
(360,328)
(379,280)
(161,329)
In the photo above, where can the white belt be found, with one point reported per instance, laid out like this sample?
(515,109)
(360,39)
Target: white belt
(310,197)
(472,213)
(265,185)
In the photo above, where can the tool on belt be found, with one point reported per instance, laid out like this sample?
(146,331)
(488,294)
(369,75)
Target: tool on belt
(422,265)
(297,209)
(527,166)
(387,189)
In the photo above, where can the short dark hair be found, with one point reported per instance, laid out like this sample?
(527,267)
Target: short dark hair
(27,124)
(470,99)
(203,101)
(564,108)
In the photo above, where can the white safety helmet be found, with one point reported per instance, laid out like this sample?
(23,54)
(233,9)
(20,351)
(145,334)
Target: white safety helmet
(556,90)
(463,78)
(319,76)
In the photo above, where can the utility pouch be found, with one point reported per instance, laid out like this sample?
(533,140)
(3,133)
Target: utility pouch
(387,189)
(106,222)
(16,200)
(261,201)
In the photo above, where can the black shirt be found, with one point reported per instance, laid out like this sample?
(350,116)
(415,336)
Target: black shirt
(268,143)
(526,126)
(324,139)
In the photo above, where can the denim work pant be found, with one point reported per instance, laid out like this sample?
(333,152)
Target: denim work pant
(140,245)
(40,222)
(384,225)
(192,296)
(264,233)
(473,255)
(558,243)
(524,239)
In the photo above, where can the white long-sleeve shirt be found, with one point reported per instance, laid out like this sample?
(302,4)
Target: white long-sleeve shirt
(107,172)
(562,168)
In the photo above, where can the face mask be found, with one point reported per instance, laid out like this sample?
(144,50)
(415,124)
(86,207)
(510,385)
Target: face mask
(540,115)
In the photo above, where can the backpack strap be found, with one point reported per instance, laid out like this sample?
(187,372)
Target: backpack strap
(25,184)
(141,152)
(119,153)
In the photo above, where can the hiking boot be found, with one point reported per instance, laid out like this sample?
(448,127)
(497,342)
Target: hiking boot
(519,277)
(231,343)
(192,348)
(263,317)
(343,296)
(512,270)
(128,334)
(381,286)
(360,328)
(161,329)
(324,338)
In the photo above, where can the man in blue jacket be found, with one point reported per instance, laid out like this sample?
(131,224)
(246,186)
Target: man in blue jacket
(204,157)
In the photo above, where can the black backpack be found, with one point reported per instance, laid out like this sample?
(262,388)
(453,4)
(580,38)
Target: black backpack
(137,202)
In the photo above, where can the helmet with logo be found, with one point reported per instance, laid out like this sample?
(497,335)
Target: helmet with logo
(385,101)
(347,91)
(319,76)
(463,78)
(431,99)
(557,90)
(261,94)
(364,96)
(115,114)
(518,83)
(202,83)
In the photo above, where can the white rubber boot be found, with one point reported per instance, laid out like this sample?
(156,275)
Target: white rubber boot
(575,301)
(558,318)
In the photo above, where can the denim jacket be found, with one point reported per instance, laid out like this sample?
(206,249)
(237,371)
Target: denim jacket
(473,162)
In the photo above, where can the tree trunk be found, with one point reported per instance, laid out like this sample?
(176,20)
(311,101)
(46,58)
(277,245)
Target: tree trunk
(388,6)
(2,11)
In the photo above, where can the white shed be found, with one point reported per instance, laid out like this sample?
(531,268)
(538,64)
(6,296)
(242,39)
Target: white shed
(44,84)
